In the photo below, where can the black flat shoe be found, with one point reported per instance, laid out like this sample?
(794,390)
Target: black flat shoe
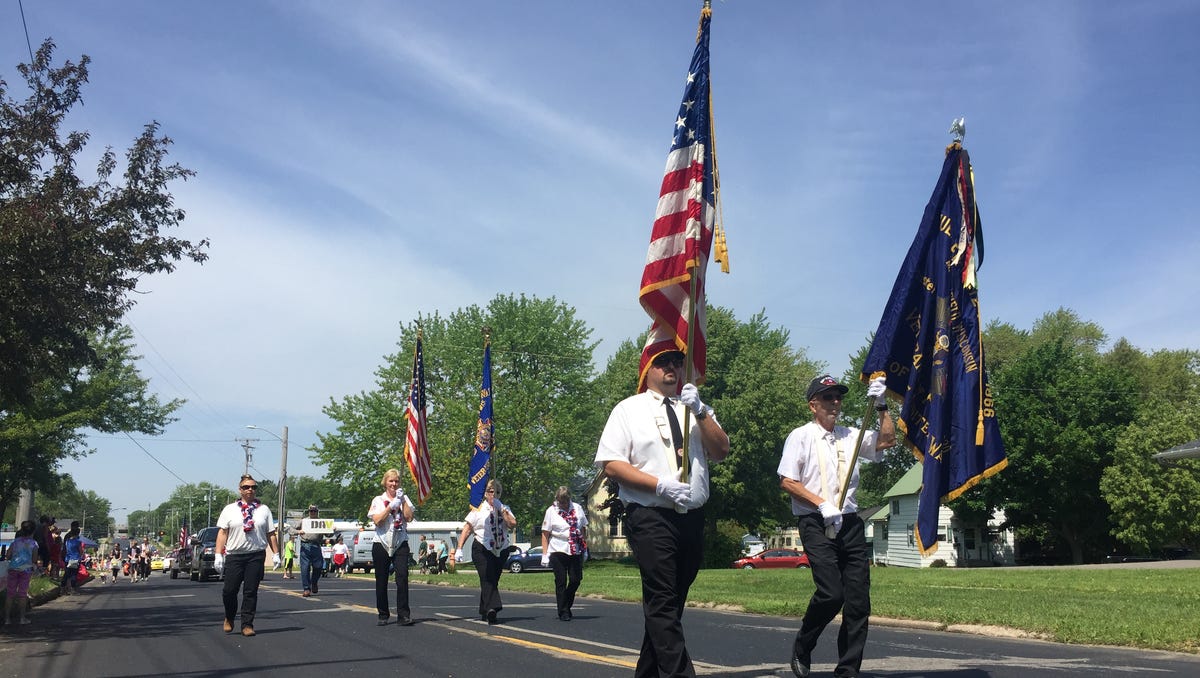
(800,665)
(382,621)
(405,621)
(491,617)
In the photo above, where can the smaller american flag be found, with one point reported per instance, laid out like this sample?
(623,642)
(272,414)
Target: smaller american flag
(183,535)
(416,447)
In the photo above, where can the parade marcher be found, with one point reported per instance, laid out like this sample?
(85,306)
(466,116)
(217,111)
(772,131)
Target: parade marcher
(813,470)
(245,529)
(563,546)
(642,449)
(391,512)
(312,563)
(490,523)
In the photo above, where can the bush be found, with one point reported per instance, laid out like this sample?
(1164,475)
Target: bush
(938,563)
(723,545)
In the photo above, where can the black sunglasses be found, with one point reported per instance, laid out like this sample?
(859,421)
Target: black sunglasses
(249,487)
(830,397)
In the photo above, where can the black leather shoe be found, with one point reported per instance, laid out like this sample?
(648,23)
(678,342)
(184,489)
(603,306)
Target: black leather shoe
(382,621)
(405,621)
(563,616)
(801,664)
(491,617)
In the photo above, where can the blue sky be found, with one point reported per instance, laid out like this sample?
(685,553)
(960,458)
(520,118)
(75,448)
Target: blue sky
(361,163)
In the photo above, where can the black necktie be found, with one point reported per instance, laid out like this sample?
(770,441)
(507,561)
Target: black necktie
(676,432)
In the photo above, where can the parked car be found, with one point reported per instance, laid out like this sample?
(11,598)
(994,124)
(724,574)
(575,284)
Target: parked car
(528,561)
(204,548)
(773,558)
(156,564)
(182,561)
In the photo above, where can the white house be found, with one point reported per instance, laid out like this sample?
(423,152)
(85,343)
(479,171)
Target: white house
(960,543)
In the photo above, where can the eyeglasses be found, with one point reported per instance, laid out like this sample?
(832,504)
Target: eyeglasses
(666,363)
(249,487)
(831,397)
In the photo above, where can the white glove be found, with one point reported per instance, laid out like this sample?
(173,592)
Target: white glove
(458,556)
(831,515)
(876,389)
(690,396)
(219,563)
(677,492)
(395,505)
(545,560)
(275,561)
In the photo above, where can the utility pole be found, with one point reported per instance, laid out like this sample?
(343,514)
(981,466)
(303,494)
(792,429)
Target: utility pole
(248,447)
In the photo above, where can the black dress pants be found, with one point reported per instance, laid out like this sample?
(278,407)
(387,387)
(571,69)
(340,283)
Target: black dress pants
(568,573)
(489,566)
(669,548)
(380,560)
(243,570)
(842,575)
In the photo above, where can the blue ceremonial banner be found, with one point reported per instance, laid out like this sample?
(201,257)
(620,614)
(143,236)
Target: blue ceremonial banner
(481,459)
(928,347)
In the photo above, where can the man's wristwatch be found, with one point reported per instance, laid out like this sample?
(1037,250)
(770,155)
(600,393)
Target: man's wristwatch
(881,408)
(702,414)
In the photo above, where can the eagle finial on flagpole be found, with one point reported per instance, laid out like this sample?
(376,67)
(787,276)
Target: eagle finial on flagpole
(958,129)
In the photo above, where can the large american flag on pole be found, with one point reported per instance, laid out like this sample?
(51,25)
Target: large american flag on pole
(672,290)
(416,447)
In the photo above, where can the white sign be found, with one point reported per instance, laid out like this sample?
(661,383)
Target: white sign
(317,525)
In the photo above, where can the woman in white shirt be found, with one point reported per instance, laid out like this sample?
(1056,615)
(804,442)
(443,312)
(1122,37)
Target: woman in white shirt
(490,523)
(391,512)
(563,547)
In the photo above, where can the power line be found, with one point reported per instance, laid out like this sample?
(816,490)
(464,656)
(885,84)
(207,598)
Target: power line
(155,459)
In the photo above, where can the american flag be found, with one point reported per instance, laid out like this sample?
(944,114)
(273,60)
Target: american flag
(416,447)
(682,236)
(183,535)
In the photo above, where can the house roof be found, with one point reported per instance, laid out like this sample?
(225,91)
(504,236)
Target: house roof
(876,512)
(909,483)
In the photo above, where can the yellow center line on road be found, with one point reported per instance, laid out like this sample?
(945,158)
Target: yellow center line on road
(627,657)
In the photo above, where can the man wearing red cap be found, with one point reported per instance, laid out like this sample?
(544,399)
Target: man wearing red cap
(814,469)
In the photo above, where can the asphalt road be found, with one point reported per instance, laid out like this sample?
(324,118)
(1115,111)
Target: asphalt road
(166,627)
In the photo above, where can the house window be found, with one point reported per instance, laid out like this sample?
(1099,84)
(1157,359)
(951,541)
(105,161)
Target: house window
(997,536)
(895,506)
(944,533)
(885,531)
(615,526)
(912,540)
(787,541)
(969,538)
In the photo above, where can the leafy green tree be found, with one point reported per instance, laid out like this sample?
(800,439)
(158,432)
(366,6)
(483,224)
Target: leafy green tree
(69,502)
(108,395)
(543,407)
(1062,408)
(1156,504)
(71,252)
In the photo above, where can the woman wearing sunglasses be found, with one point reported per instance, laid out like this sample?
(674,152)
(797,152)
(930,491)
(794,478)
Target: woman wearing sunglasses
(246,528)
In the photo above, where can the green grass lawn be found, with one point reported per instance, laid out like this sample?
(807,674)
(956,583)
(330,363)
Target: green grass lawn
(1146,608)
